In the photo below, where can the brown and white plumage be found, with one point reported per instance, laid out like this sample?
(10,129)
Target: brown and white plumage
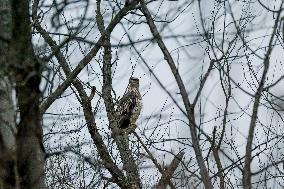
(129,106)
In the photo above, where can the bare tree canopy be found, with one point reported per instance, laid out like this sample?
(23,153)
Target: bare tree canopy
(139,94)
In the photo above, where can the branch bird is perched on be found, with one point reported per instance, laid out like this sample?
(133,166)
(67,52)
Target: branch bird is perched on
(129,106)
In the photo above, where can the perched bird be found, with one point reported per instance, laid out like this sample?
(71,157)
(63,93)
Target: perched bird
(129,106)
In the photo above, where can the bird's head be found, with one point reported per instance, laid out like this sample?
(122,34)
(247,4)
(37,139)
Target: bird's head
(133,82)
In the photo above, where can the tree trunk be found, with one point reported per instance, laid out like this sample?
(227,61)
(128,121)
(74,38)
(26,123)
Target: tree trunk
(7,113)
(7,136)
(26,72)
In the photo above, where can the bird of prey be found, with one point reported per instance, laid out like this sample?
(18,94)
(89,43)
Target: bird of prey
(129,106)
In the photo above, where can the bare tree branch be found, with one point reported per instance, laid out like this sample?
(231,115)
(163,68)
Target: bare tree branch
(189,109)
(61,88)
(258,94)
(169,171)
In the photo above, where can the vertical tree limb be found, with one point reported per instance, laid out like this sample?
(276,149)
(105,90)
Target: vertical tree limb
(7,112)
(248,156)
(26,72)
(61,88)
(121,138)
(117,175)
(189,109)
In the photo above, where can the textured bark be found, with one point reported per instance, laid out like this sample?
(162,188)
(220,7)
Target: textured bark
(7,136)
(7,122)
(27,75)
